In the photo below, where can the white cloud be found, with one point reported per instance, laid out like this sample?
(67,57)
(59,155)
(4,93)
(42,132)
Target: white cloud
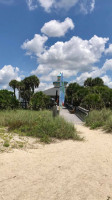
(95,72)
(80,79)
(43,86)
(41,69)
(107,81)
(57,29)
(71,57)
(8,73)
(65,4)
(47,4)
(54,73)
(107,65)
(92,5)
(67,73)
(32,4)
(36,45)
(86,6)
(74,54)
(109,50)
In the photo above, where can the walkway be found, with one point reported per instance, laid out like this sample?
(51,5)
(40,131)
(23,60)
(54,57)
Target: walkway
(70,117)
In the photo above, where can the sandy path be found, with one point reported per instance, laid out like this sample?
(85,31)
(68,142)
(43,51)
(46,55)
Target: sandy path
(66,171)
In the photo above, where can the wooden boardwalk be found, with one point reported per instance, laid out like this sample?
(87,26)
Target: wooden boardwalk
(70,117)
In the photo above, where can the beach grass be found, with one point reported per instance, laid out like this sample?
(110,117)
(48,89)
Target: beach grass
(100,118)
(38,124)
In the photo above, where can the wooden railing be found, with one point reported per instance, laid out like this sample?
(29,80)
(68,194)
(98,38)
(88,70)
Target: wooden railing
(78,111)
(81,112)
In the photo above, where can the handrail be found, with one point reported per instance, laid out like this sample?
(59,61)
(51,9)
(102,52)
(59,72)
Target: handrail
(83,109)
(81,112)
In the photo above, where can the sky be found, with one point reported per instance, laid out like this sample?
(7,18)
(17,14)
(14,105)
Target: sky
(46,37)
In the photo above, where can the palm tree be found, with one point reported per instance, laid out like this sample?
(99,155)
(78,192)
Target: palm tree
(31,82)
(34,82)
(13,84)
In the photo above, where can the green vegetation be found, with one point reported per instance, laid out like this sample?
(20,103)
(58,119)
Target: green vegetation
(100,118)
(6,143)
(89,82)
(25,87)
(13,84)
(93,95)
(39,124)
(39,101)
(7,100)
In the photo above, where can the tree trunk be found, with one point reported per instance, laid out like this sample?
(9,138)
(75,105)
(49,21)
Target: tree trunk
(33,89)
(14,92)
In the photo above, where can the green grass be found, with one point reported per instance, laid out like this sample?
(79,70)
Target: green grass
(100,118)
(6,143)
(38,124)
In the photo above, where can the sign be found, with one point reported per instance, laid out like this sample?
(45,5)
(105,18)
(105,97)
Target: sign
(62,92)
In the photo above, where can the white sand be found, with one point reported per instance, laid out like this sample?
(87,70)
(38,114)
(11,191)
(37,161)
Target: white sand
(62,171)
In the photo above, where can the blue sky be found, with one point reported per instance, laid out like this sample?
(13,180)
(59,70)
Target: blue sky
(46,37)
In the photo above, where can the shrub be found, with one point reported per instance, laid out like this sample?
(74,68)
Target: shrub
(97,119)
(39,124)
(108,125)
(39,101)
(6,143)
(7,100)
(92,101)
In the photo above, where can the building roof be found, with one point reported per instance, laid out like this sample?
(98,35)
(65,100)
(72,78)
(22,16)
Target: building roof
(51,91)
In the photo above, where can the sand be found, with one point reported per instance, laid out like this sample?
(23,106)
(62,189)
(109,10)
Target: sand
(66,170)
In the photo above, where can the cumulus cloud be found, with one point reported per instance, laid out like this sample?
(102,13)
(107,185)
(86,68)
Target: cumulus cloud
(75,54)
(8,73)
(86,6)
(107,81)
(109,50)
(41,69)
(35,46)
(71,57)
(47,4)
(56,28)
(107,65)
(53,74)
(97,72)
(43,86)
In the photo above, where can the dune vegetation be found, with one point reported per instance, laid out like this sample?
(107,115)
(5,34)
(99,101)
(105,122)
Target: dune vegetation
(100,118)
(38,124)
